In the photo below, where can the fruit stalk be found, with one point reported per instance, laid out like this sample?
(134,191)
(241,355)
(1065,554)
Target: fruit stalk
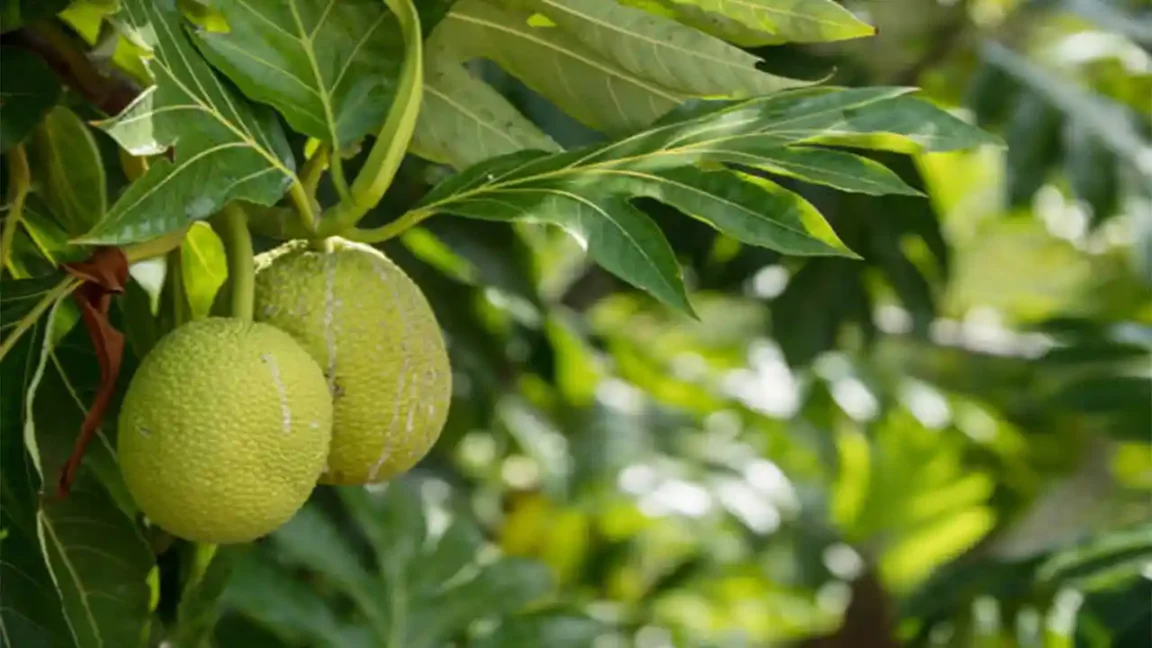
(394,136)
(241,271)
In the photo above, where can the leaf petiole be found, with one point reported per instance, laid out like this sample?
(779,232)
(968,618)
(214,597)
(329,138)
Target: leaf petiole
(237,241)
(303,204)
(19,178)
(394,136)
(389,230)
(314,168)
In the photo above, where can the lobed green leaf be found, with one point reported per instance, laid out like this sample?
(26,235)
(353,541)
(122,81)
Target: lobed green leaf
(224,147)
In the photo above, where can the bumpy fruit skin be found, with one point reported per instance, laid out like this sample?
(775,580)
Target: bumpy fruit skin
(373,333)
(224,430)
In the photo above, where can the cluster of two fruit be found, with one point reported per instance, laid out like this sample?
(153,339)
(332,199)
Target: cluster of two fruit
(342,379)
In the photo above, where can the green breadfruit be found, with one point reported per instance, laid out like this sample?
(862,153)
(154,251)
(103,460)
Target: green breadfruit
(224,430)
(373,333)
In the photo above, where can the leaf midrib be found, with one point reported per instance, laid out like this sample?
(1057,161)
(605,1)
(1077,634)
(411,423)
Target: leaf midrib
(46,524)
(310,52)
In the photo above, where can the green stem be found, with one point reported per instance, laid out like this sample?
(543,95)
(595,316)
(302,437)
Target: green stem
(304,205)
(336,164)
(181,309)
(389,230)
(241,267)
(314,168)
(62,289)
(19,177)
(394,136)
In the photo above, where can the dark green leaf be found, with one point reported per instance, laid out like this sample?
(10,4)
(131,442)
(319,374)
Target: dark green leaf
(25,303)
(806,327)
(30,607)
(1033,144)
(1091,170)
(67,165)
(498,254)
(225,148)
(991,94)
(101,575)
(28,89)
(17,13)
(329,67)
(310,540)
(1114,126)
(498,589)
(50,240)
(265,592)
(392,519)
(546,629)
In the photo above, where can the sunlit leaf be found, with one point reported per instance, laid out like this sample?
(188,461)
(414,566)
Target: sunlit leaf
(557,65)
(661,50)
(803,21)
(329,67)
(585,191)
(843,171)
(203,268)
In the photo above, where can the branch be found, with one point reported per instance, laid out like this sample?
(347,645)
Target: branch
(110,91)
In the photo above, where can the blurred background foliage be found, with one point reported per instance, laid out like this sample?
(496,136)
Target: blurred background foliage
(945,444)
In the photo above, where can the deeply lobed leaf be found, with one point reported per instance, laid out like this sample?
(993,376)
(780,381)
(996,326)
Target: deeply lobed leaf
(587,191)
(224,147)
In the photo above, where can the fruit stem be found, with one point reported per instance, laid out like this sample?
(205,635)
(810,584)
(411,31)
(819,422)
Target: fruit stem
(241,267)
(314,168)
(392,141)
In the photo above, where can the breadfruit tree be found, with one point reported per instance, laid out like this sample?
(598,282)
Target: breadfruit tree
(288,285)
